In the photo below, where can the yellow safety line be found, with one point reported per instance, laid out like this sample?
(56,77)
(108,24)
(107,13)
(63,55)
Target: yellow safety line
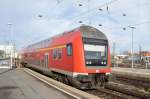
(49,48)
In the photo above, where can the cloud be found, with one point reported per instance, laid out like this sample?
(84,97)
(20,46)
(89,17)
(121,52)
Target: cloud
(57,18)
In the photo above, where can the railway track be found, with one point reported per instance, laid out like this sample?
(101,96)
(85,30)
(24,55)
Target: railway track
(135,82)
(139,78)
(140,81)
(110,94)
(128,90)
(119,91)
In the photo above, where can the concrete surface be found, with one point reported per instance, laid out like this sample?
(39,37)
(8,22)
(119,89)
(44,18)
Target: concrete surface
(16,84)
(74,91)
(132,72)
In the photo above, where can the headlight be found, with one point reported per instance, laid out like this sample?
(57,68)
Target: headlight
(87,62)
(90,62)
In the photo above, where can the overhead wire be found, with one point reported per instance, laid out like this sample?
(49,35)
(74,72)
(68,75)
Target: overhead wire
(90,10)
(136,24)
(107,8)
(124,27)
(141,23)
(106,4)
(130,8)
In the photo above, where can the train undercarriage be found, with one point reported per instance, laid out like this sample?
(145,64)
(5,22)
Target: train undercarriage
(90,81)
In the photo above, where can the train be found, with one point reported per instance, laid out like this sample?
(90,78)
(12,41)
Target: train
(80,57)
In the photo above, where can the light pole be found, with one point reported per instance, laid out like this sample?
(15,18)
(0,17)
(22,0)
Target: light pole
(89,12)
(132,28)
(114,48)
(11,43)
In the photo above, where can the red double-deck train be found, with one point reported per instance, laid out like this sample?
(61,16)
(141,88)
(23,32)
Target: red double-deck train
(80,57)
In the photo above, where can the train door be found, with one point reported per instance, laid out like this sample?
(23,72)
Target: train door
(46,60)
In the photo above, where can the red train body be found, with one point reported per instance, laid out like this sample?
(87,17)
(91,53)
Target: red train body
(80,57)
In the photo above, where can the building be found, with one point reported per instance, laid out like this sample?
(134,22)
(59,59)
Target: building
(127,58)
(145,53)
(145,56)
(6,51)
(121,58)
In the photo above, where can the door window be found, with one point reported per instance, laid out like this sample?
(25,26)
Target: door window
(46,60)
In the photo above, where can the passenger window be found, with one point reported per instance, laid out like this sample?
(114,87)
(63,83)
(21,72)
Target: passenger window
(59,53)
(54,53)
(69,49)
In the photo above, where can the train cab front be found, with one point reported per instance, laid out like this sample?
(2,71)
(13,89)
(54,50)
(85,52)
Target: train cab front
(96,58)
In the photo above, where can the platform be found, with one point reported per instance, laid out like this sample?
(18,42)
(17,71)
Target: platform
(132,72)
(16,84)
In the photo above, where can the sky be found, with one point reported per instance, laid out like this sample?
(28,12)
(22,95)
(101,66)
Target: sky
(35,20)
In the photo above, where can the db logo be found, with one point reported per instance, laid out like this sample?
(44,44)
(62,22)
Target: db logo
(97,71)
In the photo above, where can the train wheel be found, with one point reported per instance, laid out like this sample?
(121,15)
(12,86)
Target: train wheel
(100,80)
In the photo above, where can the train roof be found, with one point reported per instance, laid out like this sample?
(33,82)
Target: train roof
(87,32)
(91,32)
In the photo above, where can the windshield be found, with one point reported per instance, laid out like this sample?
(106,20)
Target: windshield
(95,55)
